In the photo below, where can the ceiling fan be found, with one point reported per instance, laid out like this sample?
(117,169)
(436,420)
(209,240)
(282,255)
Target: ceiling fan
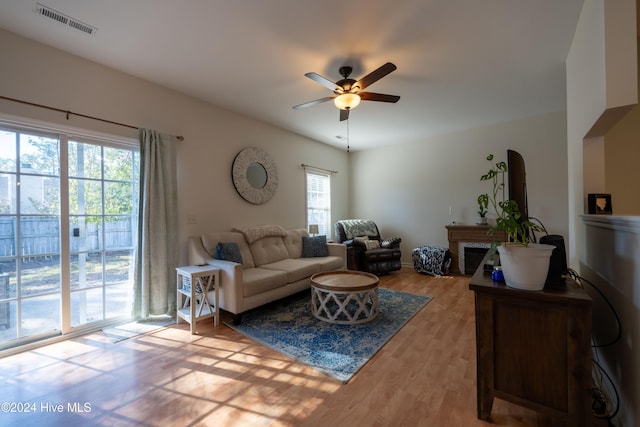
(348,91)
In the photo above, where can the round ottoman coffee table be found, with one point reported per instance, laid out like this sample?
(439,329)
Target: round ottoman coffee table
(344,296)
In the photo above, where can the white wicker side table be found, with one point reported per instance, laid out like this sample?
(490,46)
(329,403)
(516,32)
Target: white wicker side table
(193,285)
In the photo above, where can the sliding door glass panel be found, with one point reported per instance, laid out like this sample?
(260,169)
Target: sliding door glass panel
(40,314)
(8,296)
(90,274)
(30,273)
(85,233)
(8,279)
(39,155)
(8,228)
(8,194)
(87,306)
(39,195)
(8,153)
(118,198)
(8,319)
(38,275)
(40,240)
(85,160)
(103,219)
(121,173)
(85,197)
(119,300)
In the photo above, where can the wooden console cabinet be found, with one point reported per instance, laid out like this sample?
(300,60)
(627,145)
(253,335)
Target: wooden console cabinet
(468,233)
(533,348)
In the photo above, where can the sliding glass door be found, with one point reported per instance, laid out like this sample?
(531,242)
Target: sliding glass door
(68,221)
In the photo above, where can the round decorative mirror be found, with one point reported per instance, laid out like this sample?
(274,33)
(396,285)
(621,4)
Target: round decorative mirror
(255,176)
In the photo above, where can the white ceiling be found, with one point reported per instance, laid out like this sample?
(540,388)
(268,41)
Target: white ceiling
(461,63)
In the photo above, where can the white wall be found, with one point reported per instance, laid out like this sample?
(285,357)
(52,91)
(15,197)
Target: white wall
(621,159)
(408,189)
(602,87)
(213,136)
(593,154)
(585,102)
(602,83)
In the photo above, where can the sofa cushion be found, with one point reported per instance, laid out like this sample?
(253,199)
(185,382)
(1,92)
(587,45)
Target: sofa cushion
(268,250)
(211,240)
(296,269)
(293,242)
(314,246)
(259,280)
(327,263)
(229,252)
(257,232)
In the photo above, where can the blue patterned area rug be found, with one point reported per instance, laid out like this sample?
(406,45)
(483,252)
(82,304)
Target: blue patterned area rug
(337,350)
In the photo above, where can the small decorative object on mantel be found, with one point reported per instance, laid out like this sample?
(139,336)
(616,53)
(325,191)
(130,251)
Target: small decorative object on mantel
(255,176)
(600,204)
(483,204)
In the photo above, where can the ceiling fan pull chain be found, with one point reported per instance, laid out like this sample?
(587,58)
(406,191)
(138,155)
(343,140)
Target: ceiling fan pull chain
(347,136)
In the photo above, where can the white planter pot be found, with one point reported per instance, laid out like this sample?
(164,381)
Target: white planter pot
(525,267)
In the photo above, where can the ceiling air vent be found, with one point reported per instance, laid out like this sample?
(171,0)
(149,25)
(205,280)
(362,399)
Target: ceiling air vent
(47,12)
(81,26)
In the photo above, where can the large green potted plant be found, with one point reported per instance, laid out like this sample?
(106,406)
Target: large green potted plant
(524,264)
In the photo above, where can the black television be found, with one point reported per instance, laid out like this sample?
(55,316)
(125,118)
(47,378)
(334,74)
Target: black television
(517,181)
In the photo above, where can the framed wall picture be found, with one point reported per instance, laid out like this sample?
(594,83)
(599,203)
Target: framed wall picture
(600,204)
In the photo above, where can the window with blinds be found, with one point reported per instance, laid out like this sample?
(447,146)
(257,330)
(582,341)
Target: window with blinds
(319,201)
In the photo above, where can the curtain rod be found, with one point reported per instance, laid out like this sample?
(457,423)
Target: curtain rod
(71,113)
(315,167)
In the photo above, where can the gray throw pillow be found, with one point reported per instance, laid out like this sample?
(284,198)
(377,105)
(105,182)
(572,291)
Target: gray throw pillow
(314,246)
(229,252)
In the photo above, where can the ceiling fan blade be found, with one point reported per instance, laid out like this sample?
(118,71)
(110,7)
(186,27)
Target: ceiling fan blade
(322,80)
(375,75)
(344,115)
(311,103)
(371,96)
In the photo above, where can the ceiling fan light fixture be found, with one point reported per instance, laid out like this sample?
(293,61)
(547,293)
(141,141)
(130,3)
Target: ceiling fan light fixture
(348,92)
(347,101)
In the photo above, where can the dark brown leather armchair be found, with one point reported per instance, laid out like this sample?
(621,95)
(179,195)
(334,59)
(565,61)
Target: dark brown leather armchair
(366,250)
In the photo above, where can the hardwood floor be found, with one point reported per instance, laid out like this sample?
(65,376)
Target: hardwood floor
(424,376)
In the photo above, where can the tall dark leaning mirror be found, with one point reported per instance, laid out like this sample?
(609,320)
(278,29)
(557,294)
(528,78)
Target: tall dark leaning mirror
(255,176)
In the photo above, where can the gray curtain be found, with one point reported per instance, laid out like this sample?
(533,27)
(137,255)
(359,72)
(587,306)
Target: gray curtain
(157,257)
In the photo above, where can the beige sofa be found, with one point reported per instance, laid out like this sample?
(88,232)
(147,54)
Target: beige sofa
(272,264)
